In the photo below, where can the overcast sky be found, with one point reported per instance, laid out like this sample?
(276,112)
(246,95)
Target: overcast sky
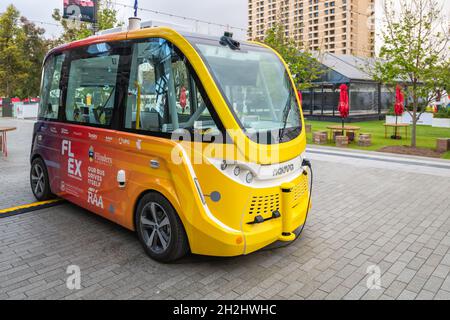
(231,12)
(227,12)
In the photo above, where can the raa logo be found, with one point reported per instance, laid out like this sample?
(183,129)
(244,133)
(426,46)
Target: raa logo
(91,154)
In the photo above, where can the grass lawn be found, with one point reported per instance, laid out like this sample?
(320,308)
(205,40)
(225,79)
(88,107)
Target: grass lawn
(426,135)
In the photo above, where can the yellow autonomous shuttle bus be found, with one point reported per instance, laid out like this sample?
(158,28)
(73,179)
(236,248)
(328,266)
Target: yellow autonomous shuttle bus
(195,142)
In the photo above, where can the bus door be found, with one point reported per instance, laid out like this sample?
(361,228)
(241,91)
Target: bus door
(92,97)
(48,130)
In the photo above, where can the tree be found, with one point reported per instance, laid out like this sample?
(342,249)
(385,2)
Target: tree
(415,52)
(33,48)
(22,50)
(12,64)
(76,30)
(304,67)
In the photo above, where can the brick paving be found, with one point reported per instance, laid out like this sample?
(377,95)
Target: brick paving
(364,213)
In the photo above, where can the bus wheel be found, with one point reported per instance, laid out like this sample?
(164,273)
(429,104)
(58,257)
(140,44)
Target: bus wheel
(160,229)
(40,184)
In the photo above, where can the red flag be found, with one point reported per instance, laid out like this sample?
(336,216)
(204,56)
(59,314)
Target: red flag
(300,96)
(183,98)
(399,101)
(343,101)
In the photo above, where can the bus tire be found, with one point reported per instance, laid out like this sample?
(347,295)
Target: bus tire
(159,229)
(39,180)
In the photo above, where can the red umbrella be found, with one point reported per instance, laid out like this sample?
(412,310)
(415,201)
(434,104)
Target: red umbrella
(399,106)
(399,101)
(300,96)
(183,98)
(343,106)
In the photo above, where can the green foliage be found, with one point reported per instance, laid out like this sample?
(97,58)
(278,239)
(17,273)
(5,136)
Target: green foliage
(415,52)
(11,61)
(304,67)
(34,48)
(22,49)
(443,113)
(76,30)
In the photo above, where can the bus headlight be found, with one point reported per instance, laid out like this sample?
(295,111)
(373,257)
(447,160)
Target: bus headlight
(237,171)
(249,177)
(223,165)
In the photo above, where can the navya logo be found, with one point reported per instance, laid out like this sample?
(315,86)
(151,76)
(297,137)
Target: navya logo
(283,170)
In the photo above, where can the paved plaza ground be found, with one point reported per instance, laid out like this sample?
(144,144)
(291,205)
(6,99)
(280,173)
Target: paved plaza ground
(369,209)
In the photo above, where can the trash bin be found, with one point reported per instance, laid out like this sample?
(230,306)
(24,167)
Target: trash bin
(7,108)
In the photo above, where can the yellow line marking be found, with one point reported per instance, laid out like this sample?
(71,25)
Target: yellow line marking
(27,206)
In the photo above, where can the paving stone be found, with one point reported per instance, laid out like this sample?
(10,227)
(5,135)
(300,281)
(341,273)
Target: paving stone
(407,295)
(425,295)
(433,284)
(406,275)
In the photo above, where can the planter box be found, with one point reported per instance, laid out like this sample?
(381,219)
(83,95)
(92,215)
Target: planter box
(441,122)
(320,137)
(442,144)
(341,141)
(365,140)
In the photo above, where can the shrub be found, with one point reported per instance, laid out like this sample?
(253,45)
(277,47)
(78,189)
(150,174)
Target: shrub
(443,112)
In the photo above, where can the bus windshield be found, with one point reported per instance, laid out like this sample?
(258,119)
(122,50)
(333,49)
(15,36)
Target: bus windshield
(257,88)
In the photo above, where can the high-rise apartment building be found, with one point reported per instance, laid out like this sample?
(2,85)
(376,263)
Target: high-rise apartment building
(335,26)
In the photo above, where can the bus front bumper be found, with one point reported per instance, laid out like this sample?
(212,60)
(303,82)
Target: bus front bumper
(280,231)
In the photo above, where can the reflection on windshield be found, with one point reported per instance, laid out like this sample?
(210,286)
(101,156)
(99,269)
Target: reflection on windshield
(257,88)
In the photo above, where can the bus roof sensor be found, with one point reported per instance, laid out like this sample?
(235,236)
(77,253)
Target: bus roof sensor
(227,40)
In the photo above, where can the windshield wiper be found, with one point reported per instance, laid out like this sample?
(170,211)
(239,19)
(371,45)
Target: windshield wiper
(286,111)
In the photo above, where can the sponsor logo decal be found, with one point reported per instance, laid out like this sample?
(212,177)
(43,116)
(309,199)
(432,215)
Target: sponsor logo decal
(94,198)
(95,177)
(73,165)
(92,136)
(99,158)
(124,141)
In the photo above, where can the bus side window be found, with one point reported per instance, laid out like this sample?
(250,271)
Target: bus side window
(147,104)
(50,89)
(91,89)
(162,94)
